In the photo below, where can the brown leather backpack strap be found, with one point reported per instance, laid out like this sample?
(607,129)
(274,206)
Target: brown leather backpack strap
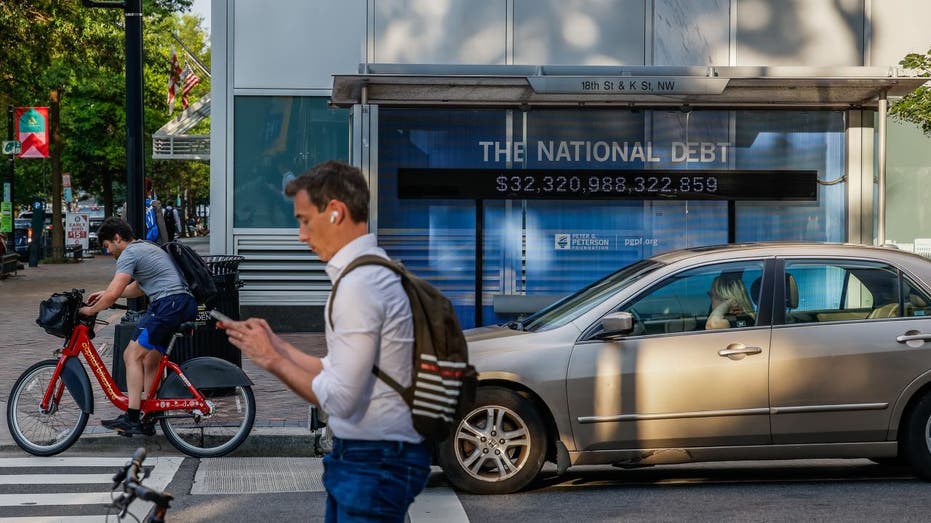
(391,382)
(366,259)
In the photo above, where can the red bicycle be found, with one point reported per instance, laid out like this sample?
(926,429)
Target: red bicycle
(205,406)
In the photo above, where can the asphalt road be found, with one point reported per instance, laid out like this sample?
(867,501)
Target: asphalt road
(800,490)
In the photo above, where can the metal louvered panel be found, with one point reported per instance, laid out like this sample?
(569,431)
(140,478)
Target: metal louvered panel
(279,270)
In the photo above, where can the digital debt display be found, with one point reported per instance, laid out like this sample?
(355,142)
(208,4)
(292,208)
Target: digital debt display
(644,184)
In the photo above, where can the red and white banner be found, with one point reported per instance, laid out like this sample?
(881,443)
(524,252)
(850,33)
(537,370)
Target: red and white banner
(32,131)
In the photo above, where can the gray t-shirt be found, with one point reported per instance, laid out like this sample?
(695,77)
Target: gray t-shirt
(153,268)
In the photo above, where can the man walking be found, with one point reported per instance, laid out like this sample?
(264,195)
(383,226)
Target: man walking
(379,462)
(172,222)
(142,268)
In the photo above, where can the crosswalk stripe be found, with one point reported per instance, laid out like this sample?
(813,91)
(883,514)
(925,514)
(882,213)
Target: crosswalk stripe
(60,479)
(164,469)
(37,461)
(57,519)
(75,498)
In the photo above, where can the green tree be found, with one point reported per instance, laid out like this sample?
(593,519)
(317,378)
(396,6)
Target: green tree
(51,38)
(916,106)
(71,58)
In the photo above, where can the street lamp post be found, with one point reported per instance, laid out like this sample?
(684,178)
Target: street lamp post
(135,149)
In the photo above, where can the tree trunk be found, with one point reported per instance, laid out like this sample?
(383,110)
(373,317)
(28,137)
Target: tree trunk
(58,237)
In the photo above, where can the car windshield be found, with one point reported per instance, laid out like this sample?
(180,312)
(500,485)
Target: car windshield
(582,301)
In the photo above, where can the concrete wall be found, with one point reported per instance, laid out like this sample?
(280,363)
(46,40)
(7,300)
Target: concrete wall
(295,44)
(440,32)
(692,32)
(898,27)
(800,32)
(589,32)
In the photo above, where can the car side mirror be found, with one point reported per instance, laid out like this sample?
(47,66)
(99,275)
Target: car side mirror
(617,324)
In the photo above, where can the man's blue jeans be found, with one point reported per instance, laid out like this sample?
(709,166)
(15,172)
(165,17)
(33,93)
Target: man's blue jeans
(373,480)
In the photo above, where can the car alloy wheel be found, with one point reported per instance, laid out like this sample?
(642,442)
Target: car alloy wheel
(498,447)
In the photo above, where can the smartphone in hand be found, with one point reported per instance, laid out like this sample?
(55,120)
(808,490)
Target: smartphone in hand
(217,315)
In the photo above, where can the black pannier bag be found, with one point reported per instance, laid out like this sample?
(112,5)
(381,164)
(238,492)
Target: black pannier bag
(58,313)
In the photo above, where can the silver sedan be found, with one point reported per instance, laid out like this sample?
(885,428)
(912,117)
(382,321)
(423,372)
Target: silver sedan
(755,351)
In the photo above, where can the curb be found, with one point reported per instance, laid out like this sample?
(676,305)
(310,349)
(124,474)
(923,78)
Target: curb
(262,442)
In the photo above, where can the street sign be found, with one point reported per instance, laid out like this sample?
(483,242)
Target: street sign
(77,226)
(12,147)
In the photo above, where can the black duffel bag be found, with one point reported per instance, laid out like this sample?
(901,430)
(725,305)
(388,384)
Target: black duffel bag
(58,314)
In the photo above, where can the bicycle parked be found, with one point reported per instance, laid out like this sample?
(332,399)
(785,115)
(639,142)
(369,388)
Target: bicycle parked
(205,406)
(128,478)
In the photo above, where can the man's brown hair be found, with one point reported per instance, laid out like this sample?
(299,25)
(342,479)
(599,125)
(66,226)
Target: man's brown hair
(113,226)
(334,180)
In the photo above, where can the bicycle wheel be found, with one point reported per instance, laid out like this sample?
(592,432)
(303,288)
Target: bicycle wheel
(43,433)
(217,434)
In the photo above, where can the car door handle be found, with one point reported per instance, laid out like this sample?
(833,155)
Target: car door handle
(737,351)
(913,336)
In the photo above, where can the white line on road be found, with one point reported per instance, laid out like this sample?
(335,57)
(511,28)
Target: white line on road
(437,504)
(59,479)
(57,519)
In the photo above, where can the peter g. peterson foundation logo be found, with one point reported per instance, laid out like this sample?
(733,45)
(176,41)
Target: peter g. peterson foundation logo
(583,242)
(562,242)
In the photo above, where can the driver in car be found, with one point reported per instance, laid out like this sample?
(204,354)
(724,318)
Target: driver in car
(730,304)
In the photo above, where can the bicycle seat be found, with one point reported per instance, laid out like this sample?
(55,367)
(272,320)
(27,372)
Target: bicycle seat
(186,328)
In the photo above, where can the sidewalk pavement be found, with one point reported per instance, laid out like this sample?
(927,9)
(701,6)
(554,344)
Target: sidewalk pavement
(282,418)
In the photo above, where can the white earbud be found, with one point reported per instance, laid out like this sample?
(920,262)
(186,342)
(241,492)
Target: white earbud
(333,216)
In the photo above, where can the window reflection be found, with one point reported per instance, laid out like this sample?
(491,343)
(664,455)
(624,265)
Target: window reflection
(278,138)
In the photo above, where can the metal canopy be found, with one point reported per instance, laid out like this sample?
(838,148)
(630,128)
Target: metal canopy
(641,86)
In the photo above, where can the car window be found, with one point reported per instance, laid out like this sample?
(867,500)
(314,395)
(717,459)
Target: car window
(686,301)
(917,301)
(822,291)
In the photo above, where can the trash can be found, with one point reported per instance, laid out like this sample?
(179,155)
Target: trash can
(122,333)
(207,339)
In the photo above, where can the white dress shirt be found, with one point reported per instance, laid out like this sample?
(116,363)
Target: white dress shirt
(372,324)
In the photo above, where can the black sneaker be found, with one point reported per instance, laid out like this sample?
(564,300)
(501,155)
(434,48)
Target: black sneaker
(129,428)
(112,423)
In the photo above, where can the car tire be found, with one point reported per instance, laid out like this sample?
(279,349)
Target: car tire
(917,438)
(499,447)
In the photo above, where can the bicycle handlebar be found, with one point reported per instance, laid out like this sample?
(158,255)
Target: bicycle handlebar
(128,477)
(144,493)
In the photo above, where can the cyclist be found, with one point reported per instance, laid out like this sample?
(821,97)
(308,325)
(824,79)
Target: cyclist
(142,268)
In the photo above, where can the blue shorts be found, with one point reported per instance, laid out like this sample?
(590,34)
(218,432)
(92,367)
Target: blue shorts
(159,323)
